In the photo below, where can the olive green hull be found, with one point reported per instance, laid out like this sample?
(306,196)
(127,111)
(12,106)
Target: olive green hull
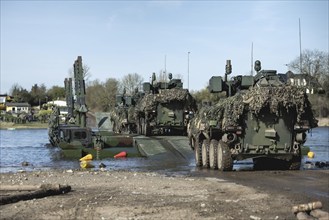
(113,144)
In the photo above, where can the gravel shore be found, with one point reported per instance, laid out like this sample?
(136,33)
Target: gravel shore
(143,195)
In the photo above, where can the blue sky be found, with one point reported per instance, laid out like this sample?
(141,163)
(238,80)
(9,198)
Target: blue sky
(41,39)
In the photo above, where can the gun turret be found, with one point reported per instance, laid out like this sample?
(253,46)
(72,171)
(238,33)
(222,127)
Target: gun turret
(217,85)
(266,77)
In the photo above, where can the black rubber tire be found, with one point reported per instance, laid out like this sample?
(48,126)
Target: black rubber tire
(296,160)
(224,158)
(147,130)
(198,153)
(139,127)
(205,153)
(295,163)
(142,126)
(213,146)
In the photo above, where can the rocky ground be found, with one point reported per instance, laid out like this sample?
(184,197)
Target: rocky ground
(149,195)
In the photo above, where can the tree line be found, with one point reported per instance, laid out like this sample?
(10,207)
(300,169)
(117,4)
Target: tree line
(38,94)
(101,95)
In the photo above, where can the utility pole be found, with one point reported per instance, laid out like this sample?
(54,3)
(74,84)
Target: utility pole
(165,69)
(188,70)
(300,49)
(252,59)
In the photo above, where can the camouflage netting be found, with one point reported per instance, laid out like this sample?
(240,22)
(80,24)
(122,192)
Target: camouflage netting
(284,98)
(121,114)
(288,97)
(131,112)
(149,101)
(114,115)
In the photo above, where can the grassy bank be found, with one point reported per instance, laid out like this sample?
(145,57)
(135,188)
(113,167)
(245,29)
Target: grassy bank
(323,122)
(28,125)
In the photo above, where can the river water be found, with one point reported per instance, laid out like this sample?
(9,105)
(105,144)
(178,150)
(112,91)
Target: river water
(32,146)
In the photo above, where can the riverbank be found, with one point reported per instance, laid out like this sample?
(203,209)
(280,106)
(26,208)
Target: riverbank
(323,122)
(110,194)
(28,125)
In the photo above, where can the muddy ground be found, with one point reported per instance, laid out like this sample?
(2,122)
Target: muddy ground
(149,195)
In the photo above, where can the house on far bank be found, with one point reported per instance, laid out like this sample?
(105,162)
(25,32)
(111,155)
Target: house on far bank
(4,99)
(17,108)
(306,81)
(61,105)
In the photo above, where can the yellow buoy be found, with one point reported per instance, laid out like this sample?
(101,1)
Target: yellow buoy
(310,154)
(86,164)
(87,157)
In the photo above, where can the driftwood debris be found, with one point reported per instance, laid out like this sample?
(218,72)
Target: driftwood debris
(304,216)
(307,207)
(310,211)
(320,214)
(29,187)
(34,192)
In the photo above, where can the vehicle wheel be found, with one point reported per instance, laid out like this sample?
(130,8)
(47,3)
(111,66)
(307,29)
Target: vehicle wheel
(142,126)
(139,127)
(205,153)
(146,130)
(213,154)
(295,163)
(224,159)
(198,153)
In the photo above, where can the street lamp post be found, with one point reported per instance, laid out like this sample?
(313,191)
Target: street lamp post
(188,70)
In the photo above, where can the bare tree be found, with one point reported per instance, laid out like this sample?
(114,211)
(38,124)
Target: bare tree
(314,63)
(162,76)
(86,72)
(130,82)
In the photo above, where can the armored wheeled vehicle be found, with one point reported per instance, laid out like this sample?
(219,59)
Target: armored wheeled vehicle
(122,116)
(261,118)
(166,108)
